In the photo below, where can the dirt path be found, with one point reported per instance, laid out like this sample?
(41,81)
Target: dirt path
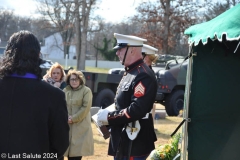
(159,106)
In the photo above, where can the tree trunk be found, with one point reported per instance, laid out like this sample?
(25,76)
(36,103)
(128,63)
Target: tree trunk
(66,51)
(78,34)
(81,33)
(85,18)
(166,27)
(83,50)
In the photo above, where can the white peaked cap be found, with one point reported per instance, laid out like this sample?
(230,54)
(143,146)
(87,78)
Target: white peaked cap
(128,41)
(149,49)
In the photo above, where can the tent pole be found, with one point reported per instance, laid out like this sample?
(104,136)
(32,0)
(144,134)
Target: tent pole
(186,110)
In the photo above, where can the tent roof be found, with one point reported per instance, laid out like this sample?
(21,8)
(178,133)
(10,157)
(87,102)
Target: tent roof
(227,23)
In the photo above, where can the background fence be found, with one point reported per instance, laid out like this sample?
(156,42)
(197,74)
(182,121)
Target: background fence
(89,63)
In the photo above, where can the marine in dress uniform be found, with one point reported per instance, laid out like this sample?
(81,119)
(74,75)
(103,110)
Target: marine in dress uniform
(134,100)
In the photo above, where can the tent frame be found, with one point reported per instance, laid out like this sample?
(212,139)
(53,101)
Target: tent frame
(184,142)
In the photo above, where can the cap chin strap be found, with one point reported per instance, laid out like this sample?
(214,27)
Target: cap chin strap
(144,55)
(125,56)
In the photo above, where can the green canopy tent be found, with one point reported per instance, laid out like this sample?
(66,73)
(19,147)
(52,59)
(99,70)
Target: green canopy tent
(212,97)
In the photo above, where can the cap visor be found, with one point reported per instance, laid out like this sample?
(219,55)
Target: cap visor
(118,47)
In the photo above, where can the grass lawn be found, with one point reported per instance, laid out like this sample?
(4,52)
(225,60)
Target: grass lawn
(164,128)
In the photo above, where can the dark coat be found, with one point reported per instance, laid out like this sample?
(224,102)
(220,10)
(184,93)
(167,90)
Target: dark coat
(134,99)
(63,85)
(33,118)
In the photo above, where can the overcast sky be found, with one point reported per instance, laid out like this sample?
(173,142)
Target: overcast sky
(110,10)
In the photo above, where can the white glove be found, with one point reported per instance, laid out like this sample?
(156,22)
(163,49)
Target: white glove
(102,117)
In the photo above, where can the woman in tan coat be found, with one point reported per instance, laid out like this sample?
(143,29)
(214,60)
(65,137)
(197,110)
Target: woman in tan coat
(79,102)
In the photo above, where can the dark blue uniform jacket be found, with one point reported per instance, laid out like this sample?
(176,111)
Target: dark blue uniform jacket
(134,99)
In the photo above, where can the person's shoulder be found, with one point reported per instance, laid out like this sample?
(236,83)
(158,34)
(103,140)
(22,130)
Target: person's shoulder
(86,88)
(142,69)
(67,89)
(44,83)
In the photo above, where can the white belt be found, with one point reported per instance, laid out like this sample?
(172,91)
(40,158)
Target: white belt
(146,116)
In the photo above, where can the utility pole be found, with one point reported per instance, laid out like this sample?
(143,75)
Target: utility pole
(96,55)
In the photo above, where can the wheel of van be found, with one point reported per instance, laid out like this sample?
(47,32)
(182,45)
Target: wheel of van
(174,103)
(104,98)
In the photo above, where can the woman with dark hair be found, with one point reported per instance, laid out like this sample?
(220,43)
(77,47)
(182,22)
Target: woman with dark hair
(79,102)
(33,115)
(55,76)
(21,55)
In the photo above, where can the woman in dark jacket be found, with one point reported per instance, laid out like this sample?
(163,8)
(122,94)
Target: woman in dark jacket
(33,115)
(55,76)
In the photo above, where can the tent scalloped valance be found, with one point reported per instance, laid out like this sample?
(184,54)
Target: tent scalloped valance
(227,23)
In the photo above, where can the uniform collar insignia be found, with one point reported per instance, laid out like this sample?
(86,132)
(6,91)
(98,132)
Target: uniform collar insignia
(135,64)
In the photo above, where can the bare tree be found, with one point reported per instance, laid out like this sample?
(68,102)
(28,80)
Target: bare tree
(42,28)
(216,8)
(96,39)
(82,14)
(164,22)
(72,18)
(57,13)
(10,23)
(5,18)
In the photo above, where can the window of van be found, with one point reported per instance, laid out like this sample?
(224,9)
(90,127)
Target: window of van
(2,49)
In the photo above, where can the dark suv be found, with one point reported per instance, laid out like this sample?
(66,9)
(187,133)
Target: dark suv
(171,86)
